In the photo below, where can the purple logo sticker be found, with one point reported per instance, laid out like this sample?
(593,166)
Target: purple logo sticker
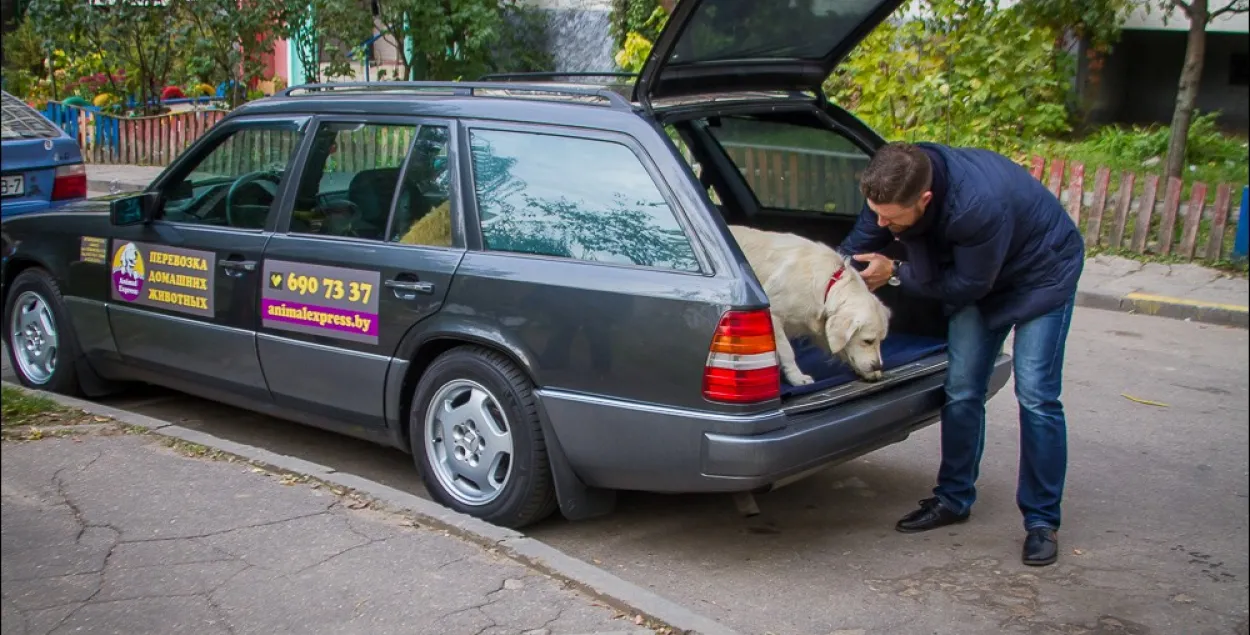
(128,272)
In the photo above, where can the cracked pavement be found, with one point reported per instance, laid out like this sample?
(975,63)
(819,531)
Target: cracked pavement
(120,534)
(1156,505)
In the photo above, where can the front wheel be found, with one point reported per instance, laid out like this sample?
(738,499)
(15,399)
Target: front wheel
(477,439)
(39,337)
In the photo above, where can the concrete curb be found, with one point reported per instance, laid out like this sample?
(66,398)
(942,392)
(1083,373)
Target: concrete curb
(1163,306)
(591,580)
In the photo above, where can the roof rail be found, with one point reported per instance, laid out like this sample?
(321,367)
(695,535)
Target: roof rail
(465,89)
(494,77)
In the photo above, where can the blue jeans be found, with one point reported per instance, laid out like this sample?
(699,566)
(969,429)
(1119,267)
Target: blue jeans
(1038,369)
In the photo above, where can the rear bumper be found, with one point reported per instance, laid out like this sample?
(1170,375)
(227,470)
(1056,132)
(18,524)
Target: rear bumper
(19,206)
(619,445)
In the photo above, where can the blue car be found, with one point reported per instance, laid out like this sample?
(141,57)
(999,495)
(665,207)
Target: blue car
(41,167)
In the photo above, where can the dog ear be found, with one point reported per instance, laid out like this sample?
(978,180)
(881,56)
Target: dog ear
(839,329)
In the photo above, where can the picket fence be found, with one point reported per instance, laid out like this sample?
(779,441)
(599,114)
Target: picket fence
(1124,221)
(108,139)
(1150,219)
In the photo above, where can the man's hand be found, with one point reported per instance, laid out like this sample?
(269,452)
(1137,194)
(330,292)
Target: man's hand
(878,272)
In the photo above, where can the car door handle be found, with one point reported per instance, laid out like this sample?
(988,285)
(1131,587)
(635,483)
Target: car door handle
(237,267)
(406,289)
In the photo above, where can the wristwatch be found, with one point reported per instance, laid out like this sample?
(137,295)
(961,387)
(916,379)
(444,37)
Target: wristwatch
(894,280)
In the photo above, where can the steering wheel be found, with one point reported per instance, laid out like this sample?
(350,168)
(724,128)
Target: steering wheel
(248,179)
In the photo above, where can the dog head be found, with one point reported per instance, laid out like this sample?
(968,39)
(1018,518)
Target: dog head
(856,322)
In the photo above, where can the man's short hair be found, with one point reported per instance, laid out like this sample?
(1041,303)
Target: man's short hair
(897,175)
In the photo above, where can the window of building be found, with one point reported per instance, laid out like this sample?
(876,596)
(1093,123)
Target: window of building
(1239,69)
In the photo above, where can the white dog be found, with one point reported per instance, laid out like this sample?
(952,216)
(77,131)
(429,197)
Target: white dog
(814,291)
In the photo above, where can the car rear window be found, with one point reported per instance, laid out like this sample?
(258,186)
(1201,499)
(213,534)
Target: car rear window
(722,30)
(23,122)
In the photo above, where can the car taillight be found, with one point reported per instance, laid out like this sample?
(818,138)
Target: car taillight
(742,362)
(70,182)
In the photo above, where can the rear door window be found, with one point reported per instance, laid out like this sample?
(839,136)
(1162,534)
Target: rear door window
(794,167)
(349,181)
(568,197)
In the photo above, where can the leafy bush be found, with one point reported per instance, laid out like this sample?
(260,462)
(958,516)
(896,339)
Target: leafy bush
(637,43)
(965,73)
(635,16)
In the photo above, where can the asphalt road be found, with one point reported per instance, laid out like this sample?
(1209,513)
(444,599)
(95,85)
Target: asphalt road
(1154,540)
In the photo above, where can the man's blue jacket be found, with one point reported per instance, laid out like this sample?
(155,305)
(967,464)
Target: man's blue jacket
(993,236)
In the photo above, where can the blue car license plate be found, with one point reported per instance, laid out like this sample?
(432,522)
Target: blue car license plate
(14,185)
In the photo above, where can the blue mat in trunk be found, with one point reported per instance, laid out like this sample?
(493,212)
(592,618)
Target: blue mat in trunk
(897,349)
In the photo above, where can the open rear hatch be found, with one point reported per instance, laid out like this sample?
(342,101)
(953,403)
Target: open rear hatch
(715,48)
(726,46)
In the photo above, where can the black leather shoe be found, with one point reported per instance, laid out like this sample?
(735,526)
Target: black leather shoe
(1041,547)
(931,515)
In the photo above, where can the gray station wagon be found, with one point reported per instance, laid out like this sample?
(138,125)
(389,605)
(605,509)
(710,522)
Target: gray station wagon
(528,285)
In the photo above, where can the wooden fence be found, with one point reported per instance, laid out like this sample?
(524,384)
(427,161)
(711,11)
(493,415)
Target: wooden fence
(155,140)
(1144,214)
(158,140)
(1138,214)
(807,180)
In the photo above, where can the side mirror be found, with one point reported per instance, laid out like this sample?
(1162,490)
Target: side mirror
(139,209)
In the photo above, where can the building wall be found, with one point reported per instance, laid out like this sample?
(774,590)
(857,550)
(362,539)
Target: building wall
(1137,83)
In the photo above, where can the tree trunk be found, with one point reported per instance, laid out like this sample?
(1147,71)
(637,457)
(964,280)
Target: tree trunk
(1187,89)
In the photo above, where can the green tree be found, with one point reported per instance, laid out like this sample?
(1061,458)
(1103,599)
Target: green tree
(964,72)
(130,35)
(446,39)
(324,32)
(1095,22)
(1200,13)
(224,39)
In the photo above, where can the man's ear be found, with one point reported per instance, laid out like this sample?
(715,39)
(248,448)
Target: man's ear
(925,198)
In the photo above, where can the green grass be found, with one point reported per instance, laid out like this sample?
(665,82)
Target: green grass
(1213,157)
(18,407)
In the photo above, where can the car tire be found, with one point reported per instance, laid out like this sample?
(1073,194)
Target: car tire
(463,402)
(43,351)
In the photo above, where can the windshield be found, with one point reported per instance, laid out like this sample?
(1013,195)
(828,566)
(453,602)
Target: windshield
(20,121)
(723,30)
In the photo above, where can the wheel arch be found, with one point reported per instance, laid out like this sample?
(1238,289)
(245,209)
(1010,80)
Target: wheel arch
(90,383)
(576,499)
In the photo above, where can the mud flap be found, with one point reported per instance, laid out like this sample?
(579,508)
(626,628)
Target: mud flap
(577,500)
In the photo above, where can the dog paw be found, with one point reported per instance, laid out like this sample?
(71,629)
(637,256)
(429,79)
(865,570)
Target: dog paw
(799,379)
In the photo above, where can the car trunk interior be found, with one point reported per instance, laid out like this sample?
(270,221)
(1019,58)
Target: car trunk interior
(795,172)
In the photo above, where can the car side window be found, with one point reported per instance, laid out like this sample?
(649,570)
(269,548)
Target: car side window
(349,180)
(794,167)
(236,183)
(688,155)
(585,199)
(423,211)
